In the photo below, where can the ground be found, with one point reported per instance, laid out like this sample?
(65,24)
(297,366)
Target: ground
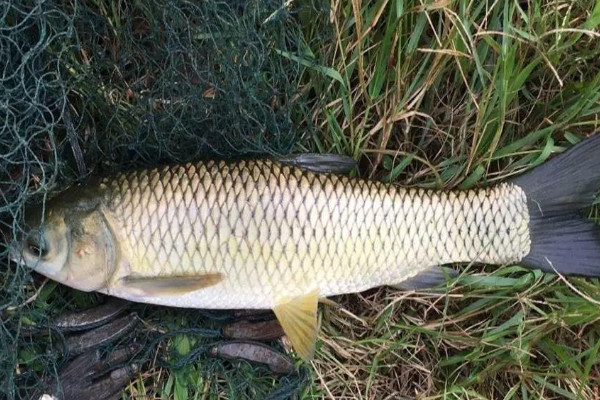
(447,95)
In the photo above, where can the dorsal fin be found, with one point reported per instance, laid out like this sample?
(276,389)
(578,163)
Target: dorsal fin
(324,163)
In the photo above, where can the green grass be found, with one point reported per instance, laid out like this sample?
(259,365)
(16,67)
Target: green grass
(457,94)
(445,94)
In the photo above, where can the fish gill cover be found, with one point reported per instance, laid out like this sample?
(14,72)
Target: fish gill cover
(89,87)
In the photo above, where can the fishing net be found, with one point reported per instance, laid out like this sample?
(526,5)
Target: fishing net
(89,87)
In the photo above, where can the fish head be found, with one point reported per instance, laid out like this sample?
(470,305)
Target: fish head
(69,242)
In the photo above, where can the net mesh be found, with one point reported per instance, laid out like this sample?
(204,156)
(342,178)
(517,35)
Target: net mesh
(89,87)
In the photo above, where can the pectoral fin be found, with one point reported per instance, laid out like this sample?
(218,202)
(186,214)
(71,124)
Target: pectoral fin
(327,163)
(298,318)
(170,285)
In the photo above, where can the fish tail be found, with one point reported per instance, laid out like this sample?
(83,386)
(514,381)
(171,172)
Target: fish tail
(557,191)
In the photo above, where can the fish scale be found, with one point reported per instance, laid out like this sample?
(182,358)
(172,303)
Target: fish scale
(273,234)
(275,230)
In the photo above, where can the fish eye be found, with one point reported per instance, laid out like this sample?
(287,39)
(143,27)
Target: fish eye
(36,248)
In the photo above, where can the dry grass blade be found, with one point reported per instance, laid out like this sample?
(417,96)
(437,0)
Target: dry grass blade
(460,94)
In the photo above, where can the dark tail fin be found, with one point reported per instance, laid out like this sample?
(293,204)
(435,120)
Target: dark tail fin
(556,192)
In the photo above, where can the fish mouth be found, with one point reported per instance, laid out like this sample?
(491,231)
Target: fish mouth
(15,255)
(16,260)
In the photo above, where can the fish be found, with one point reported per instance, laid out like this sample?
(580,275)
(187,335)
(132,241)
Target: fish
(286,233)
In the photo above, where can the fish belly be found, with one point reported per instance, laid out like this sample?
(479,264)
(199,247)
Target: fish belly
(275,231)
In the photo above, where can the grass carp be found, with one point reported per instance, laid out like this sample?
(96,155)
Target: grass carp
(281,234)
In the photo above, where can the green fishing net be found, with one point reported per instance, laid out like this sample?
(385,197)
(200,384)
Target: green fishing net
(89,87)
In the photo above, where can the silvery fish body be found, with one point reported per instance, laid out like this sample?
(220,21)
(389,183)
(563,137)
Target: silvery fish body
(276,234)
(273,230)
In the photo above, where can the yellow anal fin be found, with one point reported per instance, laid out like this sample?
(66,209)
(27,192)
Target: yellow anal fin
(170,285)
(298,318)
